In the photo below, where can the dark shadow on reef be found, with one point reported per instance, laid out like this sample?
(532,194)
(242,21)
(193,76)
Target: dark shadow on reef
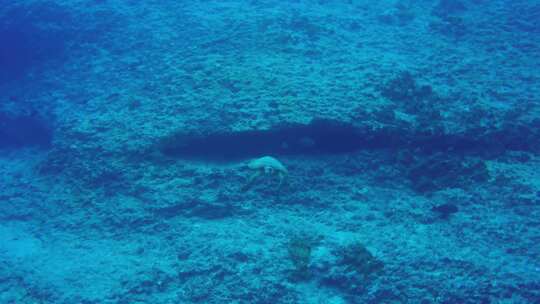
(335,137)
(24,131)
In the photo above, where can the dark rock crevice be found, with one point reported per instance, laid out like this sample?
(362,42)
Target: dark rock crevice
(335,137)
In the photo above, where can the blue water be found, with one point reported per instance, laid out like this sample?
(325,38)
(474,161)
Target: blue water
(269,152)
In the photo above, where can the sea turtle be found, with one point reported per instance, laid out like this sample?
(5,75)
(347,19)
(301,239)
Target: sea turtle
(266,165)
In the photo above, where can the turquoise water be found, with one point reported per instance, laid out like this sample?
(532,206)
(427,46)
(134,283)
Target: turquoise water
(269,152)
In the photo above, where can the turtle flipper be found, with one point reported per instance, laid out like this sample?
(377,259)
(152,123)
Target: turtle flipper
(251,181)
(282,178)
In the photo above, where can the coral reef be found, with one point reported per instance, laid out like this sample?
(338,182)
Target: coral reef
(410,130)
